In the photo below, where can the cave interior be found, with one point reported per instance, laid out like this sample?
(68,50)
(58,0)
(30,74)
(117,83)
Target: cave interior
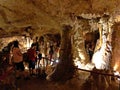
(84,35)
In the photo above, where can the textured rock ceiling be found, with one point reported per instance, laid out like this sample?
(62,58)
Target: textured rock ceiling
(47,16)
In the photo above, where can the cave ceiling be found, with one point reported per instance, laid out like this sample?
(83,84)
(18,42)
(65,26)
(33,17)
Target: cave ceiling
(47,16)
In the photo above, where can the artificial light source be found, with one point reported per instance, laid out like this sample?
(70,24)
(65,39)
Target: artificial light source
(57,61)
(26,68)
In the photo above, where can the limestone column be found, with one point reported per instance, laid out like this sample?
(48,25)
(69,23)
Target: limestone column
(115,63)
(80,54)
(65,68)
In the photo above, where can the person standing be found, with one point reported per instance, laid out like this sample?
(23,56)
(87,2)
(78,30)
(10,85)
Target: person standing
(32,58)
(18,59)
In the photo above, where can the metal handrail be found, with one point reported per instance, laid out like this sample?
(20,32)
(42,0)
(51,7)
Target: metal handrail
(118,76)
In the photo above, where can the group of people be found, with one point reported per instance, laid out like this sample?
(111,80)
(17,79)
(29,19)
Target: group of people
(17,59)
(32,54)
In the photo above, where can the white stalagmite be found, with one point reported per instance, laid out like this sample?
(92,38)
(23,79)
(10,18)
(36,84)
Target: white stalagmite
(102,56)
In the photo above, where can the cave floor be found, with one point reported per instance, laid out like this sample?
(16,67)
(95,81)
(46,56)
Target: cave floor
(38,83)
(81,81)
